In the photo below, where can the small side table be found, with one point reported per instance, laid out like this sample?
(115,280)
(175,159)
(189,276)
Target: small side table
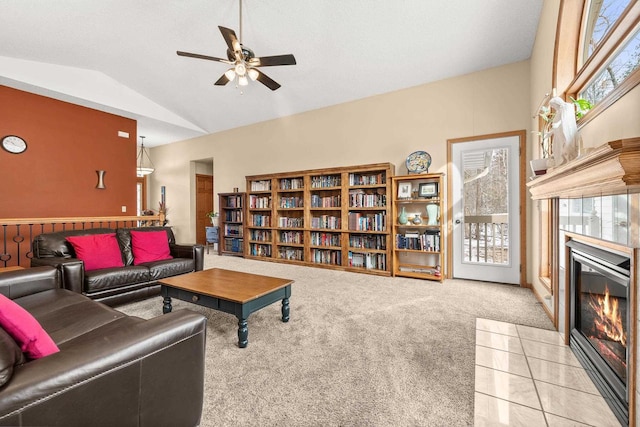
(212,237)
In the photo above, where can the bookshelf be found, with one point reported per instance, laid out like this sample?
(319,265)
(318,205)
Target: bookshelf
(328,218)
(418,243)
(232,214)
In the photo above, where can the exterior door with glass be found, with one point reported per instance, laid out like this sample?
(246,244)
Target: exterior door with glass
(485,176)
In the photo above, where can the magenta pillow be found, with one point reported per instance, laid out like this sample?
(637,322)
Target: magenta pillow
(149,246)
(97,250)
(25,330)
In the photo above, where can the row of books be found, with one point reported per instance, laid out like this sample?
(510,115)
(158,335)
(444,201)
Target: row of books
(264,185)
(261,235)
(325,181)
(368,260)
(234,202)
(257,249)
(233,244)
(259,202)
(326,221)
(291,202)
(368,242)
(325,201)
(291,237)
(291,183)
(368,221)
(325,239)
(360,199)
(260,220)
(428,241)
(290,222)
(292,254)
(233,230)
(326,256)
(366,179)
(233,216)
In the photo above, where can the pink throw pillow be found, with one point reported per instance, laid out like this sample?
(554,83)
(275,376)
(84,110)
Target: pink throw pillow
(25,329)
(97,250)
(149,246)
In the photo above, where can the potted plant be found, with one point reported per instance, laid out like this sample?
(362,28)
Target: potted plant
(214,217)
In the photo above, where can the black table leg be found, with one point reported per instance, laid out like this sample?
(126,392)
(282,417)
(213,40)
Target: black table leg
(243,333)
(166,306)
(285,310)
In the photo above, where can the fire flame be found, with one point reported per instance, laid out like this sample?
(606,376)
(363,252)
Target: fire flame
(609,321)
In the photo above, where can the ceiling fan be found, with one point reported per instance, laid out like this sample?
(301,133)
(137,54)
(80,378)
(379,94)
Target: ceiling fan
(243,61)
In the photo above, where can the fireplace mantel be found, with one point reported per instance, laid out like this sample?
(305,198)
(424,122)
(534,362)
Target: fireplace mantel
(612,168)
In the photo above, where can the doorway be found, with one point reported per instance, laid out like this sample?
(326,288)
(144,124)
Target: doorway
(204,204)
(487,234)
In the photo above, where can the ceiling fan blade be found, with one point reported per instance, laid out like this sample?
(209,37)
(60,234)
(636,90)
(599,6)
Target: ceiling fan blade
(197,55)
(232,41)
(268,61)
(223,80)
(267,81)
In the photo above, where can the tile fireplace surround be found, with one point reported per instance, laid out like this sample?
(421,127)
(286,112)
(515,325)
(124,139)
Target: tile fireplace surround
(596,199)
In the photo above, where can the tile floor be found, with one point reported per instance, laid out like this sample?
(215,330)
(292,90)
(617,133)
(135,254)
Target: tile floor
(527,377)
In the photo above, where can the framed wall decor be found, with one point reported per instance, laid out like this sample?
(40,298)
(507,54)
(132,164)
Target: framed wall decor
(428,189)
(404,190)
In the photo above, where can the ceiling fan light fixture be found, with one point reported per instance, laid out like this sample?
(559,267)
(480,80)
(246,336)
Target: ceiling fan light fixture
(253,74)
(243,81)
(230,74)
(240,69)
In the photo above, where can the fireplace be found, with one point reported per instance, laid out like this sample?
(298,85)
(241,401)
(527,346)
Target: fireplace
(600,320)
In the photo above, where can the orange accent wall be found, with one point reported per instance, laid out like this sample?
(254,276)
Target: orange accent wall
(66,144)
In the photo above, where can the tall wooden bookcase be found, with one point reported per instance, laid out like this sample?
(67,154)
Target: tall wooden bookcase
(232,214)
(333,218)
(418,244)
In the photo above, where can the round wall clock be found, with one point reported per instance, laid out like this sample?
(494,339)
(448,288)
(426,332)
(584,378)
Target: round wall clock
(418,162)
(14,144)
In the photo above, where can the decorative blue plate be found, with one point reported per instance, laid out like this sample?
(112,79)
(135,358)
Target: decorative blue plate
(418,162)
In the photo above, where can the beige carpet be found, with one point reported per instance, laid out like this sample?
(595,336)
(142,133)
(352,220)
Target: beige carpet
(359,350)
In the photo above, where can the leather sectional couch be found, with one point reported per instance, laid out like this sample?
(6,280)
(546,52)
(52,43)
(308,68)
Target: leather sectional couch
(111,369)
(117,285)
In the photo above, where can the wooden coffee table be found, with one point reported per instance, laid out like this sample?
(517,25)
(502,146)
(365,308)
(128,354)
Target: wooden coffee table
(228,291)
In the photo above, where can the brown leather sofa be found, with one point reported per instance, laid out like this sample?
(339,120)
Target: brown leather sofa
(111,370)
(114,286)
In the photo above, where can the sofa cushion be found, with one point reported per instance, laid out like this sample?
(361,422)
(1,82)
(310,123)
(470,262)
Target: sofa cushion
(162,269)
(67,315)
(124,238)
(25,329)
(49,245)
(149,246)
(10,356)
(111,278)
(97,250)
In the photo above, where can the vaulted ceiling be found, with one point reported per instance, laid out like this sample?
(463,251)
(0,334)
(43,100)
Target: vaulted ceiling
(120,56)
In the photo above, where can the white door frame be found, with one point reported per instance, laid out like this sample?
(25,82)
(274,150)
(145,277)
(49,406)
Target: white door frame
(522,135)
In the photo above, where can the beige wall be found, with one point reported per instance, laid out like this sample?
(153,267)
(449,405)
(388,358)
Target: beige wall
(384,128)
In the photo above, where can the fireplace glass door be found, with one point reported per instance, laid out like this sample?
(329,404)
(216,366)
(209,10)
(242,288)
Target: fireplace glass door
(602,316)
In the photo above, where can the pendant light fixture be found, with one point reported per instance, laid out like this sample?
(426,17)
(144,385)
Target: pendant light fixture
(144,167)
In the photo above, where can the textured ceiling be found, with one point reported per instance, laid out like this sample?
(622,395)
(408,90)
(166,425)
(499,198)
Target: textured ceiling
(120,55)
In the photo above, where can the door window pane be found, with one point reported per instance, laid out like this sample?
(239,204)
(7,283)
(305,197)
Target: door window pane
(486,206)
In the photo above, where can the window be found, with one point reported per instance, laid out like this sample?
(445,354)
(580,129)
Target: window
(598,51)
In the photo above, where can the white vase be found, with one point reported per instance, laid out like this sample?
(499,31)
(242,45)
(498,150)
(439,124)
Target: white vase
(432,213)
